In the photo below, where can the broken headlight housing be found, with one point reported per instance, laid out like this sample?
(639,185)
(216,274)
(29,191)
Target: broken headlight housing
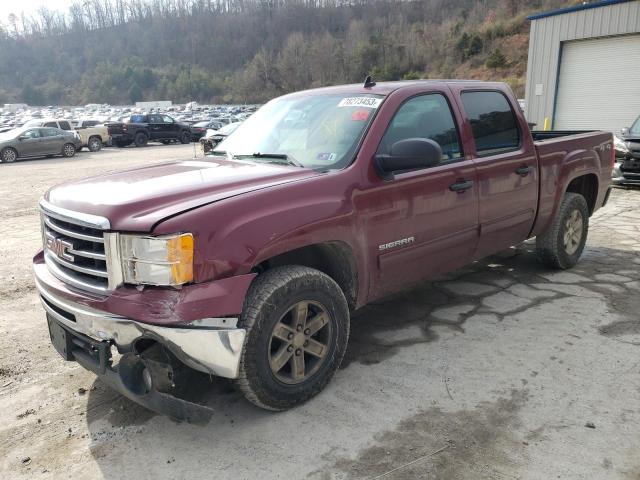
(164,260)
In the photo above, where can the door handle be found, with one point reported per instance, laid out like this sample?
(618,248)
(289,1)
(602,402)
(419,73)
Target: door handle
(461,185)
(524,170)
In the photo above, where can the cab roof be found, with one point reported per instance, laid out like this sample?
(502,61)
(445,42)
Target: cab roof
(386,88)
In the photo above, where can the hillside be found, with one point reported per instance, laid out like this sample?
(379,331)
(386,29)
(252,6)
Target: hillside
(122,51)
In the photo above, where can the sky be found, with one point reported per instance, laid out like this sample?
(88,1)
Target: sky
(29,7)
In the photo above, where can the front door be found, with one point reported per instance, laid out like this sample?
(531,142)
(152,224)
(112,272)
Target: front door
(507,170)
(171,127)
(29,143)
(422,222)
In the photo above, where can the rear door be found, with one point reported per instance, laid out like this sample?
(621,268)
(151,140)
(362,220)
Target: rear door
(418,224)
(51,140)
(506,166)
(156,127)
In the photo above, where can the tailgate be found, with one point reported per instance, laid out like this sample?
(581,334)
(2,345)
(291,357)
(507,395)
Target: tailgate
(115,128)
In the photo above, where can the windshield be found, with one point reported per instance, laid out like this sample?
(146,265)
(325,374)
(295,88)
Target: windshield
(635,128)
(316,131)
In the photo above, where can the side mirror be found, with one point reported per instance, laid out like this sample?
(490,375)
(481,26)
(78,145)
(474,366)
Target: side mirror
(408,154)
(22,137)
(624,132)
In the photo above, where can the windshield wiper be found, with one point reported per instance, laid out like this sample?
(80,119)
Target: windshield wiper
(288,159)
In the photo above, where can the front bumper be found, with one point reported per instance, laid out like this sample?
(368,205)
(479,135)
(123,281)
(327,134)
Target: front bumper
(624,177)
(213,350)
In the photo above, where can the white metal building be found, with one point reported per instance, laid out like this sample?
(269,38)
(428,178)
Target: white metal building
(583,70)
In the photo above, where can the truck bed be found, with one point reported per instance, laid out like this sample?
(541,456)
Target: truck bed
(541,135)
(558,152)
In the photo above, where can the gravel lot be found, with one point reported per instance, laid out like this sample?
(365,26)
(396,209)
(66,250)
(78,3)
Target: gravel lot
(504,369)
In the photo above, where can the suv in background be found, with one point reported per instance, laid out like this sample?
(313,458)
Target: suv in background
(627,167)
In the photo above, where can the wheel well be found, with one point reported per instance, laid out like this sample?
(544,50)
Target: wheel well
(587,186)
(335,259)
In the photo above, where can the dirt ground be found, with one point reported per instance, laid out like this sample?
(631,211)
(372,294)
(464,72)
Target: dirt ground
(505,369)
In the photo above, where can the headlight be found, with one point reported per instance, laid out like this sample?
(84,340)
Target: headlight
(165,260)
(620,145)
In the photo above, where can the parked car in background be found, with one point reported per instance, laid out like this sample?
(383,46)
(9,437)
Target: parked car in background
(248,265)
(93,134)
(199,129)
(143,128)
(627,145)
(92,137)
(214,137)
(27,142)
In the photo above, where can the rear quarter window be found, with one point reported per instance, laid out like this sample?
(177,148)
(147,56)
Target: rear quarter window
(493,122)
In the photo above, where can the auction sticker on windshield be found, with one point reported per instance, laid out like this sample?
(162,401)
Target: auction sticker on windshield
(369,102)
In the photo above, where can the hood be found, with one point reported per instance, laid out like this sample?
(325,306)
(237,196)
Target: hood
(137,199)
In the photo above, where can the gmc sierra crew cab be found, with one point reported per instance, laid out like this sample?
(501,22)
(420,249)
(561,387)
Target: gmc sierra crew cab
(247,264)
(140,129)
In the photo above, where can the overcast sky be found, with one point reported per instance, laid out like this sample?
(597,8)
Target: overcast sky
(29,7)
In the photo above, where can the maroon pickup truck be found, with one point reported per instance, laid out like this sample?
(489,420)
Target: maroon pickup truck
(247,264)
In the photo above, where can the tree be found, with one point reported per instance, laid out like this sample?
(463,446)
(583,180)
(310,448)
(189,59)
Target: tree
(31,95)
(135,93)
(496,59)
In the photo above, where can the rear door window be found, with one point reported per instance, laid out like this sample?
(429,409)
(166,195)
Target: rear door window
(493,122)
(51,124)
(49,132)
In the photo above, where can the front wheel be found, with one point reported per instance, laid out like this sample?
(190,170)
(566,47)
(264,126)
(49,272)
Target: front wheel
(8,155)
(297,323)
(185,137)
(561,246)
(68,150)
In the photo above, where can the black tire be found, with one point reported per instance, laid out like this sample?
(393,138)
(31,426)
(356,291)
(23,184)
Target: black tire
(270,297)
(8,155)
(185,137)
(94,144)
(140,139)
(552,246)
(68,150)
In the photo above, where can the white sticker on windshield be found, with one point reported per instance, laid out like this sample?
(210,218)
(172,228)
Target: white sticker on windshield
(369,102)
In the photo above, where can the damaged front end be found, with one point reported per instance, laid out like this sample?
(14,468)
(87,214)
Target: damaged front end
(148,364)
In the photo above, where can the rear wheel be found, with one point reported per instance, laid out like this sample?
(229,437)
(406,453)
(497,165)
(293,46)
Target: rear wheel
(68,150)
(8,155)
(140,139)
(94,144)
(297,323)
(562,245)
(185,137)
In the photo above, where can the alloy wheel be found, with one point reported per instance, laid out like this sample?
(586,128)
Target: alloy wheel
(300,342)
(573,232)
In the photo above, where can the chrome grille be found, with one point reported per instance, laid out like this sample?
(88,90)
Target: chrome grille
(77,249)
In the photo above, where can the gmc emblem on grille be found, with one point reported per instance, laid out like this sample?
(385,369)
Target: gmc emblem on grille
(59,247)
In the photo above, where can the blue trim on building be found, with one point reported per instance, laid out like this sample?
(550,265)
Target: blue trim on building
(584,6)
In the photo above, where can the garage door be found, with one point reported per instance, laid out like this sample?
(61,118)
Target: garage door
(599,84)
